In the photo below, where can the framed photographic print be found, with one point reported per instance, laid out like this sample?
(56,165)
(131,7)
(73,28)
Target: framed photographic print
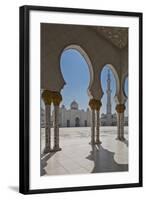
(80,99)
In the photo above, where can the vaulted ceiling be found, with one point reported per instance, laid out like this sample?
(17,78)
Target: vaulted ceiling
(118,36)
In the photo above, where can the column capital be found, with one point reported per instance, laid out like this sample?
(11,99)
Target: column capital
(95,104)
(56,98)
(98,105)
(92,104)
(51,96)
(120,108)
(46,95)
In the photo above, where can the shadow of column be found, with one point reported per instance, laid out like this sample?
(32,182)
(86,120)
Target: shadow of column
(104,160)
(125,142)
(44,162)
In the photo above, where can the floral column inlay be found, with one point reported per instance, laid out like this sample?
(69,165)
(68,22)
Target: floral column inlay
(47,100)
(92,104)
(120,108)
(98,105)
(57,98)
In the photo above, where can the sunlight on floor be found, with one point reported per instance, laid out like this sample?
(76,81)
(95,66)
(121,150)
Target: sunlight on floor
(79,157)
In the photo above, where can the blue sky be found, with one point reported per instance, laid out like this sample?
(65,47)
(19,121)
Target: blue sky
(76,74)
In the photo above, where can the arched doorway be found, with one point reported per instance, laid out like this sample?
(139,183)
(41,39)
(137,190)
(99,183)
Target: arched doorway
(77,122)
(68,123)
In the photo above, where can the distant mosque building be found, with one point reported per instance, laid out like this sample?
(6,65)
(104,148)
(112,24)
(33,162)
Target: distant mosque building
(75,117)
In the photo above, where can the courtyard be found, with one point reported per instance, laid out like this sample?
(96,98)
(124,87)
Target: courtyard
(78,156)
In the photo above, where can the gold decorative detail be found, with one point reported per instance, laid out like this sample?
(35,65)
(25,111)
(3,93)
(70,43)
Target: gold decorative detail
(95,104)
(46,95)
(120,108)
(98,105)
(51,96)
(92,104)
(56,98)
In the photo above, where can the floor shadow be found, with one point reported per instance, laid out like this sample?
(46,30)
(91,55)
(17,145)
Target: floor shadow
(125,142)
(104,160)
(44,162)
(14,188)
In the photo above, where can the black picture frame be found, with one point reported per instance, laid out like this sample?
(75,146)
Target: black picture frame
(24,99)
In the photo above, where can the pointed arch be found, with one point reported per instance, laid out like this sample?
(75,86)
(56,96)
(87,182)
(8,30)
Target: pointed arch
(112,68)
(87,59)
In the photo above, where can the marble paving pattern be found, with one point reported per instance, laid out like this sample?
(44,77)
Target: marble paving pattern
(79,157)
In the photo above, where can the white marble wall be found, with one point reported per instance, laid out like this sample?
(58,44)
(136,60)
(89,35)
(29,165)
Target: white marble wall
(71,115)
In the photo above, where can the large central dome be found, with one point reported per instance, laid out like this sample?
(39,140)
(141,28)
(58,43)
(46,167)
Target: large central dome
(74,105)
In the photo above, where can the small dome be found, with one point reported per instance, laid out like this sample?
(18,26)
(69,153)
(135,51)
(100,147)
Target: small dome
(74,105)
(63,106)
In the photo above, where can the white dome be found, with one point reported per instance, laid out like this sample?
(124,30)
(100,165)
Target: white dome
(74,105)
(63,106)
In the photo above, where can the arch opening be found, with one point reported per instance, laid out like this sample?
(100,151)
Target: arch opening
(76,69)
(77,122)
(125,86)
(110,86)
(83,53)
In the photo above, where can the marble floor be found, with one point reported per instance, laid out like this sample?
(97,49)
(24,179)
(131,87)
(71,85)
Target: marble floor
(79,157)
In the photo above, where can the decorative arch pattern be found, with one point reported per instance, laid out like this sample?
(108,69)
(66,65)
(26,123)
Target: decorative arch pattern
(87,59)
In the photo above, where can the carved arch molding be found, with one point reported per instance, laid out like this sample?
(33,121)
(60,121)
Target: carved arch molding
(98,46)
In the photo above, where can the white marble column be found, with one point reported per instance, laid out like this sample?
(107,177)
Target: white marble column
(93,127)
(46,96)
(56,128)
(57,98)
(47,128)
(92,104)
(98,105)
(120,121)
(97,127)
(118,127)
(122,126)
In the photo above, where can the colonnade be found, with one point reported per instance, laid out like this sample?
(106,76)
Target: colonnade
(95,121)
(50,97)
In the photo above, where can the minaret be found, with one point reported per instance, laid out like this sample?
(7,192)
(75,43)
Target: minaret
(108,91)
